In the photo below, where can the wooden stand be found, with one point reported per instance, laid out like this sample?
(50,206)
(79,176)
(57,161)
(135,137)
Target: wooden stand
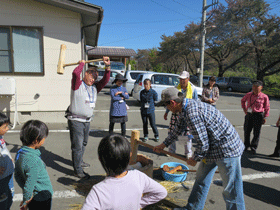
(147,163)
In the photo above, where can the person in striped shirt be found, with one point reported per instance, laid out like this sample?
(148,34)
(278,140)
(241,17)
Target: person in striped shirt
(218,146)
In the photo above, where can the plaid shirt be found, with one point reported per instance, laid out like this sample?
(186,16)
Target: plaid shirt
(216,137)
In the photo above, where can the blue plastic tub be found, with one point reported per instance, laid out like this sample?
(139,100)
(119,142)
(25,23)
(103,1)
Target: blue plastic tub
(174,177)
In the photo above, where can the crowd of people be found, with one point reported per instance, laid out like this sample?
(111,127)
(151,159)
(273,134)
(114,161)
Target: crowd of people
(219,146)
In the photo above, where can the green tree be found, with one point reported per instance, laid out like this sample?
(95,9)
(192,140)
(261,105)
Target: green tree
(154,60)
(259,31)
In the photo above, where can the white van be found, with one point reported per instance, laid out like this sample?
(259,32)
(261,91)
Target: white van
(131,76)
(159,82)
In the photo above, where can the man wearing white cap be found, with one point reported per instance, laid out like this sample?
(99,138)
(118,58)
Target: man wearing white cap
(188,92)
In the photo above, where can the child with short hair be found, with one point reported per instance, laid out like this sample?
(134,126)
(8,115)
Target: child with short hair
(6,167)
(148,97)
(121,189)
(30,170)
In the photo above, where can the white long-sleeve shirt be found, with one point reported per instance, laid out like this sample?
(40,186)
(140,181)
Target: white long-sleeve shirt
(125,193)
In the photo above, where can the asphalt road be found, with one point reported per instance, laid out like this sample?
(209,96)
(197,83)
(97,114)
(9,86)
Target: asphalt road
(261,174)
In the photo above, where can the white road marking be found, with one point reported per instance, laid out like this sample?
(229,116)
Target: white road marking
(118,129)
(74,194)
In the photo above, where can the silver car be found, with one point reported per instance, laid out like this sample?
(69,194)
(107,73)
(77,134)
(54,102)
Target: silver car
(113,74)
(159,82)
(239,84)
(222,82)
(131,76)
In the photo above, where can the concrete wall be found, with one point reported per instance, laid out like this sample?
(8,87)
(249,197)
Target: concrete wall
(59,27)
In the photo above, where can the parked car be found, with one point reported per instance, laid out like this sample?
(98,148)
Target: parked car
(99,64)
(206,79)
(118,66)
(222,82)
(194,79)
(113,74)
(131,76)
(239,84)
(159,82)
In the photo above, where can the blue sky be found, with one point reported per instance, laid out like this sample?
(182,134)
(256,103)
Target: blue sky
(139,24)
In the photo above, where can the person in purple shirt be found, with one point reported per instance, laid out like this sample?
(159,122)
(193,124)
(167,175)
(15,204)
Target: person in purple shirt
(122,189)
(118,113)
(79,113)
(256,107)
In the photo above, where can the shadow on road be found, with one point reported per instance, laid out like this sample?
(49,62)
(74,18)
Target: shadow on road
(51,160)
(262,193)
(98,133)
(247,162)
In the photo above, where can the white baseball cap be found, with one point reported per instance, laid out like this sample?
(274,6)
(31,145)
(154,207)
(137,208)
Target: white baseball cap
(184,75)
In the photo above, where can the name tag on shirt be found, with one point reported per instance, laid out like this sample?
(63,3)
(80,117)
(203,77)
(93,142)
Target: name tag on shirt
(249,110)
(120,101)
(92,105)
(147,105)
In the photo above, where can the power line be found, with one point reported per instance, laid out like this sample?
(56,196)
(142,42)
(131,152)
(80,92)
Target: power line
(155,21)
(142,35)
(186,7)
(173,10)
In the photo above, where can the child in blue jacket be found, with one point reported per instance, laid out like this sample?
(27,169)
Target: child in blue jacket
(148,96)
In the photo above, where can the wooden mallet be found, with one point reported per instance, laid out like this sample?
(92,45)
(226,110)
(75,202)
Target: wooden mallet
(61,61)
(135,142)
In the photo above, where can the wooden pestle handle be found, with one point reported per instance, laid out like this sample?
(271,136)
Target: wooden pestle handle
(162,151)
(89,61)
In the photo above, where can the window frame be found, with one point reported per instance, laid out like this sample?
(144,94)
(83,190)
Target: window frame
(11,50)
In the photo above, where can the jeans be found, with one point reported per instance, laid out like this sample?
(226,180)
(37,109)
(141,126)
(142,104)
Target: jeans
(231,174)
(152,120)
(252,121)
(79,132)
(123,128)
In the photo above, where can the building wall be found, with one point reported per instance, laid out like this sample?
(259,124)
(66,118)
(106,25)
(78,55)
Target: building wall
(59,27)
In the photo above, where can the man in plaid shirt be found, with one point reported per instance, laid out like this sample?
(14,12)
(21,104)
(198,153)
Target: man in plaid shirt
(218,146)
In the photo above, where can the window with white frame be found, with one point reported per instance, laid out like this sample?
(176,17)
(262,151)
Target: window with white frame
(21,50)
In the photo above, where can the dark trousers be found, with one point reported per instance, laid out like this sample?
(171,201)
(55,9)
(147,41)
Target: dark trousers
(79,132)
(7,190)
(277,148)
(123,127)
(152,120)
(253,121)
(41,201)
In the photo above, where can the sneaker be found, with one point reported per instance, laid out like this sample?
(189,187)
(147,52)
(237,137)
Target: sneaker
(145,139)
(85,165)
(82,175)
(157,139)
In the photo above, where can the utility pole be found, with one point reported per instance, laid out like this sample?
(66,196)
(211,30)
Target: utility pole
(203,34)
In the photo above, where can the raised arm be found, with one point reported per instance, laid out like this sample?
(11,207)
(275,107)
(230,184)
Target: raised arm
(76,76)
(101,84)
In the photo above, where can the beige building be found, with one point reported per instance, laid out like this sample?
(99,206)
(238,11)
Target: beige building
(31,32)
